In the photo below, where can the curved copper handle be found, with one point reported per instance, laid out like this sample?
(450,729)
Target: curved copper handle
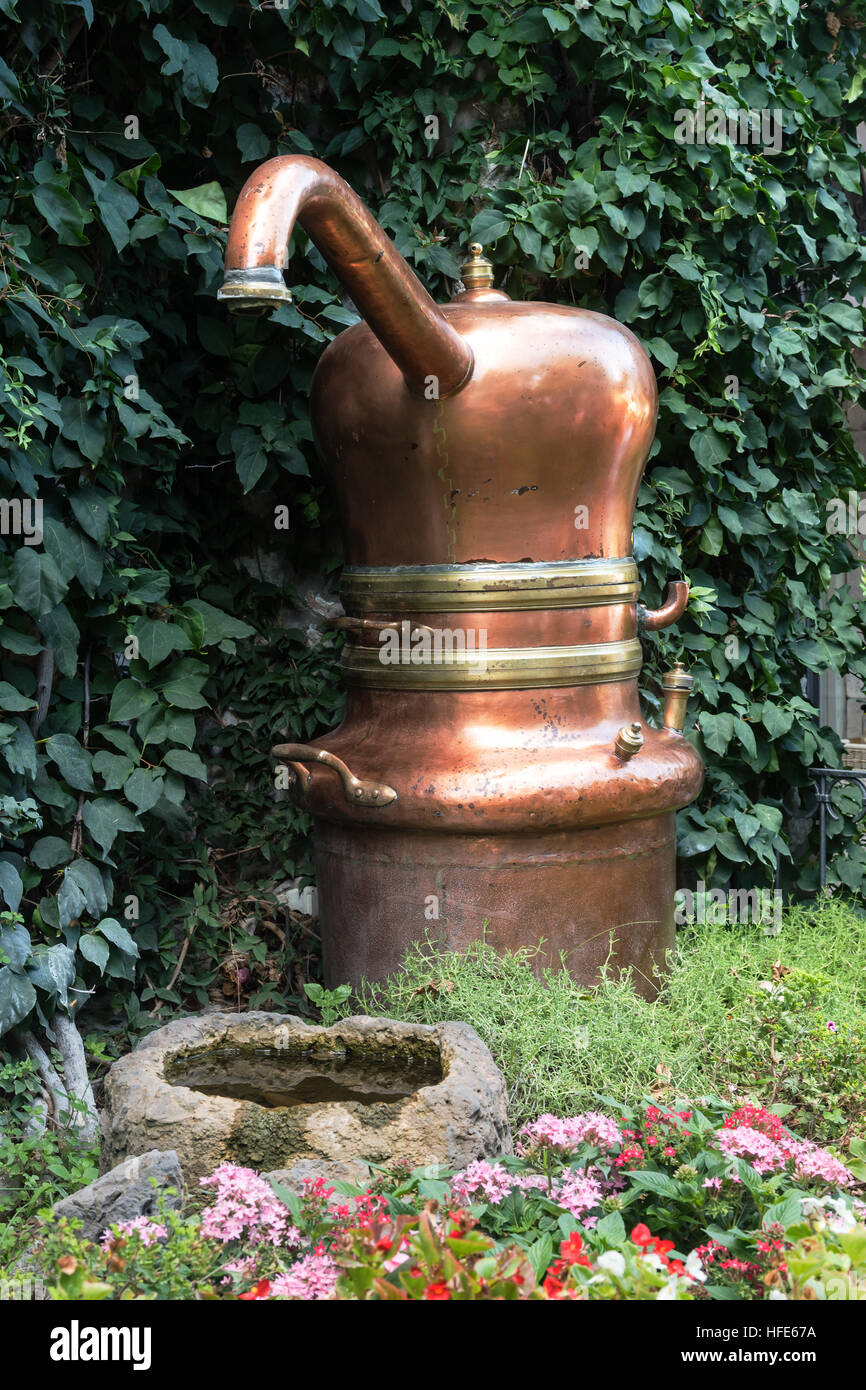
(357,791)
(676,597)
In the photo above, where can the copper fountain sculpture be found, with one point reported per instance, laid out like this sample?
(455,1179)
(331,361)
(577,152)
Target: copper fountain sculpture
(494,773)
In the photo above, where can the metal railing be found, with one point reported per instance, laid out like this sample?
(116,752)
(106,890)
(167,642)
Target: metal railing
(826,779)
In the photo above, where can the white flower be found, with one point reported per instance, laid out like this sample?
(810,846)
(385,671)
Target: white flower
(669,1292)
(612,1262)
(842,1218)
(694,1268)
(777,1296)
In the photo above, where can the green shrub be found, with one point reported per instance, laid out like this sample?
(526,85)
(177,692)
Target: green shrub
(561,1046)
(37,1167)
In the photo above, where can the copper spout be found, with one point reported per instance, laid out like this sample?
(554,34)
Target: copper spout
(676,598)
(431,354)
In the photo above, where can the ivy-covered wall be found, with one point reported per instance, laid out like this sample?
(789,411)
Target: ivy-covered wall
(158,435)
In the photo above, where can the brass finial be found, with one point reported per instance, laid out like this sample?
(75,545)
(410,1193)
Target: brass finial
(476,272)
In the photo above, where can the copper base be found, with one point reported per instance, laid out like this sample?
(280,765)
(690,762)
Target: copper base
(380,891)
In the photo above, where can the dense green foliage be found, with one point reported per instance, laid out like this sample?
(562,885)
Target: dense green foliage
(141,416)
(741,1015)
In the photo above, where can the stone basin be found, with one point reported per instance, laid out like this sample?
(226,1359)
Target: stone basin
(278,1094)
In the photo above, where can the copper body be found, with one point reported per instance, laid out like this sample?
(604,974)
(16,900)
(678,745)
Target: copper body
(517,815)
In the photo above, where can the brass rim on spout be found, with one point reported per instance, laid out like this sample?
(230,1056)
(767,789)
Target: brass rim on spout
(502,668)
(485,588)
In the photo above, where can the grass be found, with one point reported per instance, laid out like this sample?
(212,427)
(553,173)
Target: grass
(710,1032)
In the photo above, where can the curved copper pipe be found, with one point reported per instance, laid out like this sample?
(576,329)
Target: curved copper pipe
(676,597)
(411,328)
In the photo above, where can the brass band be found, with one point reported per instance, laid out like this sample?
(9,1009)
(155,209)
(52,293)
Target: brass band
(485,588)
(450,666)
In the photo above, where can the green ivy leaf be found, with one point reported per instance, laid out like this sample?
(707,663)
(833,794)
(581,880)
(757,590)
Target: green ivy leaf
(12,699)
(117,935)
(129,700)
(187,764)
(37,583)
(207,200)
(94,949)
(17,998)
(105,818)
(50,851)
(73,760)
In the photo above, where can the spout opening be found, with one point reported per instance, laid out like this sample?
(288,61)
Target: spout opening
(254,291)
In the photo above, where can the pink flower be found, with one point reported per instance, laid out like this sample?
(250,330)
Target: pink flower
(313,1278)
(713,1182)
(246,1207)
(491,1182)
(810,1161)
(578,1193)
(148,1232)
(766,1155)
(831,1027)
(566,1135)
(763,1153)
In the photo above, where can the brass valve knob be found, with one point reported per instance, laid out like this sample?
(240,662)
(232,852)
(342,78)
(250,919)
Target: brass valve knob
(677,685)
(476,272)
(628,741)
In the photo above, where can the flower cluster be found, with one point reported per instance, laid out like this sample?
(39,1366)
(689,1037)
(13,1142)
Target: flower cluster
(578,1193)
(313,1277)
(148,1231)
(717,1257)
(360,1211)
(247,1208)
(483,1181)
(662,1133)
(766,1155)
(756,1117)
(566,1135)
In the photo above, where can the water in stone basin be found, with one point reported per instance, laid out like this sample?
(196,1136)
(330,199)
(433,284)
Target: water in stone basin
(276,1079)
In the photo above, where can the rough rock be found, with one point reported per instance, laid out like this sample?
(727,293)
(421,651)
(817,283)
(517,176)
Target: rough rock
(345,1170)
(459,1118)
(125,1192)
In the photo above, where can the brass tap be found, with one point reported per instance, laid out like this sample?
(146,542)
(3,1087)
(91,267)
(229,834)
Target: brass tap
(628,741)
(677,685)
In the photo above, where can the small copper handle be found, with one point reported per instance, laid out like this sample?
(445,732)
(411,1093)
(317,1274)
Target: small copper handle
(356,790)
(674,604)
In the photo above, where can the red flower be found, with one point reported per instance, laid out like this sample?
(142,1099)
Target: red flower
(436,1291)
(570,1249)
(641,1235)
(552,1286)
(260,1290)
(661,1247)
(384,1244)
